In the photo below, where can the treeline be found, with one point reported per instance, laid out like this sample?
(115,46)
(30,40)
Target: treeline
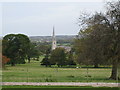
(98,41)
(18,48)
(61,39)
(59,57)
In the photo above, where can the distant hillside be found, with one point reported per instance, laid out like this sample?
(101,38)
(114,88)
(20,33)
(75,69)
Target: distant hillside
(59,38)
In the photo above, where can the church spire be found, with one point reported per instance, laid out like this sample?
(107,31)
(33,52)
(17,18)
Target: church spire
(53,32)
(53,40)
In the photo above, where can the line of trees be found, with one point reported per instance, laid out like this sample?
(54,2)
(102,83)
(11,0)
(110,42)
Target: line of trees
(18,48)
(58,57)
(98,41)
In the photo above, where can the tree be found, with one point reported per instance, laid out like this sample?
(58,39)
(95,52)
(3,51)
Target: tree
(88,46)
(58,57)
(33,52)
(113,45)
(15,47)
(24,47)
(100,37)
(4,61)
(70,60)
(46,61)
(93,41)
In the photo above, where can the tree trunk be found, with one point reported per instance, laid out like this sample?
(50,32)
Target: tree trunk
(3,66)
(12,64)
(114,73)
(28,59)
(95,64)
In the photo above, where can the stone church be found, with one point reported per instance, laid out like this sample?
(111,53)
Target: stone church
(54,43)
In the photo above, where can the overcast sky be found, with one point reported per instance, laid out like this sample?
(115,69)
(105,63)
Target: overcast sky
(38,18)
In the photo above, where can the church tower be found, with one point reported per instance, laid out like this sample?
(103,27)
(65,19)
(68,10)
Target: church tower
(53,40)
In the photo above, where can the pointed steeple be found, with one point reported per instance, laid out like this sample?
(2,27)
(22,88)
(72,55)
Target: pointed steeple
(53,32)
(53,40)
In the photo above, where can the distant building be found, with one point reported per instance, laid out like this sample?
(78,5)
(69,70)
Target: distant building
(54,45)
(67,48)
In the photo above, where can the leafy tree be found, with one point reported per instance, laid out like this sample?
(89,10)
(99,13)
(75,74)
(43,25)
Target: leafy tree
(81,49)
(46,61)
(4,61)
(58,57)
(99,38)
(70,60)
(91,40)
(15,47)
(113,40)
(33,52)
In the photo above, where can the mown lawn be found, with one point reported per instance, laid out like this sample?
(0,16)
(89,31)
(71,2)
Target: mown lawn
(33,72)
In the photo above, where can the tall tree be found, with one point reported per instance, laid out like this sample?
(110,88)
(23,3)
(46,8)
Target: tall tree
(113,14)
(46,59)
(88,46)
(15,47)
(70,58)
(100,36)
(33,52)
(58,57)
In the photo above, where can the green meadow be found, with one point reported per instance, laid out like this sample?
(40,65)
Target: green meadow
(34,72)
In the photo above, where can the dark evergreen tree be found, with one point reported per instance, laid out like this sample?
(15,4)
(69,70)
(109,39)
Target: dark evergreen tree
(46,61)
(16,47)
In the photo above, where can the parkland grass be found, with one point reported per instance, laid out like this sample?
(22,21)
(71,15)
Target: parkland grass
(34,72)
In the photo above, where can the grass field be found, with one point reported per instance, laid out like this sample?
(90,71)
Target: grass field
(33,72)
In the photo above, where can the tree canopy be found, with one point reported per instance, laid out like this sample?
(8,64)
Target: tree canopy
(98,41)
(15,47)
(58,57)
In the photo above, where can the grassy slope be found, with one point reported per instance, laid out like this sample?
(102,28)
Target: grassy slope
(33,72)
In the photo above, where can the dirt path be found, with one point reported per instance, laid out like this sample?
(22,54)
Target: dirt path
(63,84)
